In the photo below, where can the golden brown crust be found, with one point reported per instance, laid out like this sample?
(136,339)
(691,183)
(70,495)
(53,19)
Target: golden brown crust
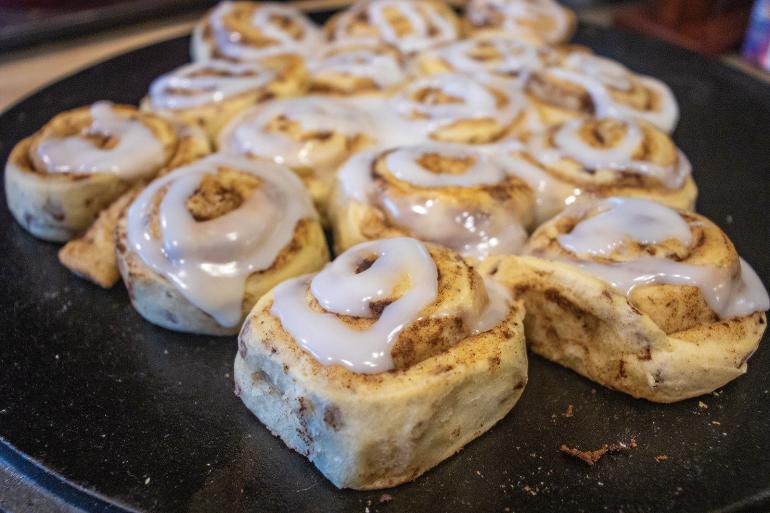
(92,256)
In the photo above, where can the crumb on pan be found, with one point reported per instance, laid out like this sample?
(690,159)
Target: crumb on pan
(591,457)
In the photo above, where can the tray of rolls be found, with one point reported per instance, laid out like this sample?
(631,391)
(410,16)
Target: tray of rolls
(397,256)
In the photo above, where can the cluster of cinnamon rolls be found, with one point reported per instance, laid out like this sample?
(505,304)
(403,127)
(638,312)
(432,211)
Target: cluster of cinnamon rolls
(481,180)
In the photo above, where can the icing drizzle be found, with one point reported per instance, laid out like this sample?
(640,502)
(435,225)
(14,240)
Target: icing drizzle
(647,222)
(234,46)
(209,261)
(428,26)
(475,233)
(342,291)
(138,152)
(249,134)
(203,83)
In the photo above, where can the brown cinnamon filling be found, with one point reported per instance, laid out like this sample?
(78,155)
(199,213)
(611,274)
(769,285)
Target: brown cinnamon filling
(220,194)
(443,164)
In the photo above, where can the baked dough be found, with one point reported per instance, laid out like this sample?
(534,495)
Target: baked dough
(241,228)
(59,179)
(386,427)
(670,336)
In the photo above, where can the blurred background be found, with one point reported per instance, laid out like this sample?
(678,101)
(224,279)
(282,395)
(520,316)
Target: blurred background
(40,40)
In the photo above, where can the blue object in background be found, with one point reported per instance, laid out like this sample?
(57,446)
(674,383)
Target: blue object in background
(756,46)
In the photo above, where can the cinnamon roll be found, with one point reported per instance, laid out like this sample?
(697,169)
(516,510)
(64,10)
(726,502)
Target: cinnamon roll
(488,55)
(448,194)
(254,31)
(312,135)
(600,157)
(58,179)
(587,84)
(200,245)
(450,107)
(409,25)
(350,69)
(373,368)
(532,20)
(639,297)
(209,94)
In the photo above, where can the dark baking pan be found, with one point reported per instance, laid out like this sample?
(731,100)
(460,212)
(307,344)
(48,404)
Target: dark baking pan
(97,399)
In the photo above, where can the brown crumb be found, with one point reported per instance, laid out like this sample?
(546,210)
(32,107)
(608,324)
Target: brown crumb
(661,457)
(716,423)
(702,405)
(588,457)
(385,497)
(591,457)
(570,411)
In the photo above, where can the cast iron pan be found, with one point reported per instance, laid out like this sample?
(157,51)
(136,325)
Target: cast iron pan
(146,418)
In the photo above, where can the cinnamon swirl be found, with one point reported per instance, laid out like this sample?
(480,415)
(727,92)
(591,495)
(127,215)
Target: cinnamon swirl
(639,297)
(450,107)
(409,25)
(208,94)
(254,31)
(312,135)
(600,157)
(587,84)
(449,194)
(59,179)
(372,367)
(200,245)
(351,69)
(532,20)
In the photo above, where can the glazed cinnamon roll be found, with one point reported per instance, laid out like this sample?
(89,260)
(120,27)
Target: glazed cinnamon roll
(373,367)
(639,297)
(444,193)
(587,84)
(450,107)
(253,31)
(488,55)
(209,94)
(601,157)
(351,69)
(532,20)
(409,25)
(312,135)
(59,179)
(200,245)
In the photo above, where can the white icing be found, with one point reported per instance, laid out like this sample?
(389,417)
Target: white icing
(664,117)
(185,88)
(209,261)
(516,58)
(403,163)
(248,134)
(623,219)
(419,119)
(605,70)
(138,152)
(497,309)
(553,194)
(618,157)
(232,45)
(428,26)
(644,221)
(340,290)
(383,68)
(477,234)
(519,15)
